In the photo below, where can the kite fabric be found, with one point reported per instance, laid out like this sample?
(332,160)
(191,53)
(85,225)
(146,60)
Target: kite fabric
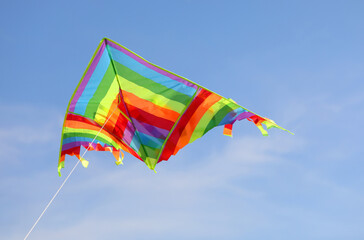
(124,102)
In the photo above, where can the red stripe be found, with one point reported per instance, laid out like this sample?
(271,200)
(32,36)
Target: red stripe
(151,119)
(122,105)
(120,126)
(78,118)
(173,139)
(256,119)
(71,152)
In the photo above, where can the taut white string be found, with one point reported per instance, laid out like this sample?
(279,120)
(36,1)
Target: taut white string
(59,189)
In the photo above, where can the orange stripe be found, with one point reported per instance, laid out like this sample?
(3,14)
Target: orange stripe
(150,107)
(194,120)
(228,130)
(110,125)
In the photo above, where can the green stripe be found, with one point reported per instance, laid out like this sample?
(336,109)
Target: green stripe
(199,130)
(88,135)
(145,151)
(106,103)
(150,96)
(212,118)
(92,132)
(151,152)
(218,117)
(144,82)
(100,92)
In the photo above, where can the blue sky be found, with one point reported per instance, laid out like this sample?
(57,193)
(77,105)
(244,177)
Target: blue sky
(299,63)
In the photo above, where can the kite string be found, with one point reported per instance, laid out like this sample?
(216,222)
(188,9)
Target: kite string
(50,202)
(59,189)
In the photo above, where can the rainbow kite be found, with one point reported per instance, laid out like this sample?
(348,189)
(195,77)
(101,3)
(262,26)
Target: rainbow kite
(124,102)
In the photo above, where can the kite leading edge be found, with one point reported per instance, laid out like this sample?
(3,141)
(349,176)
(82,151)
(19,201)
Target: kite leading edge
(124,102)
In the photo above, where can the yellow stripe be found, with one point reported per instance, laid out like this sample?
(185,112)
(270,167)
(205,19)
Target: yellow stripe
(148,95)
(206,118)
(106,102)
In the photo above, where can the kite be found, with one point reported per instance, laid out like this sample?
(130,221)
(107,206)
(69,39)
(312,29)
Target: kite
(125,103)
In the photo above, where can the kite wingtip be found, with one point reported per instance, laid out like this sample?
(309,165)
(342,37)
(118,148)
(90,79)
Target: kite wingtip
(285,130)
(270,124)
(290,132)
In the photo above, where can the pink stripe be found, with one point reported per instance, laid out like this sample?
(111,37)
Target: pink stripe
(128,133)
(77,144)
(243,116)
(87,77)
(149,129)
(145,63)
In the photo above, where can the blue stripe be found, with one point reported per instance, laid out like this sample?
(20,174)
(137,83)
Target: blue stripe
(135,144)
(81,139)
(149,129)
(146,72)
(92,84)
(150,141)
(230,117)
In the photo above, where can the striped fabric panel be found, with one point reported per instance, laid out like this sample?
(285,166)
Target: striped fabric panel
(147,106)
(149,91)
(76,125)
(154,101)
(207,111)
(91,75)
(212,118)
(142,109)
(181,130)
(140,68)
(80,131)
(157,71)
